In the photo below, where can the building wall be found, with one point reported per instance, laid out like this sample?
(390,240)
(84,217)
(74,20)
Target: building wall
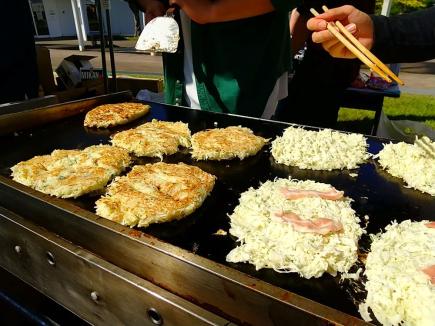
(60,18)
(121,18)
(66,17)
(52,18)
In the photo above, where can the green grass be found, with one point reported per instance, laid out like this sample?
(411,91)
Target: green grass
(132,38)
(407,107)
(124,38)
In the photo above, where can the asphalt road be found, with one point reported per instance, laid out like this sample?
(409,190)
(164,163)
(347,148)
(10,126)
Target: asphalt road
(419,77)
(133,63)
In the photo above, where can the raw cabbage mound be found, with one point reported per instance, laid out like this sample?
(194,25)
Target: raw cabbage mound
(320,150)
(267,241)
(398,292)
(411,163)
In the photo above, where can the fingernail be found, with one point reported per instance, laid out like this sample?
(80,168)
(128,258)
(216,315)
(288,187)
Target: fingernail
(351,28)
(322,24)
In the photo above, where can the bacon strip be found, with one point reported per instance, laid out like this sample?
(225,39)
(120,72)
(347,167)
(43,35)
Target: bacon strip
(430,225)
(430,271)
(332,194)
(319,225)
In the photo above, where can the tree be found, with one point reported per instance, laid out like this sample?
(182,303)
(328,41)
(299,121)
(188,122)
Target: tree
(402,6)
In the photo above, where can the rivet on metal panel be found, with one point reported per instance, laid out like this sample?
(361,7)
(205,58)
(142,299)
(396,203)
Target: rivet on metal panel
(18,249)
(155,316)
(94,296)
(50,258)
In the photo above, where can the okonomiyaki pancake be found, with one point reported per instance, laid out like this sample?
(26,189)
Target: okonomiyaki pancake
(400,271)
(412,163)
(72,173)
(154,139)
(320,150)
(226,143)
(109,115)
(293,226)
(155,193)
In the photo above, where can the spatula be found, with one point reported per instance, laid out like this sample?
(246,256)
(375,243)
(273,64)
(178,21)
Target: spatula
(161,34)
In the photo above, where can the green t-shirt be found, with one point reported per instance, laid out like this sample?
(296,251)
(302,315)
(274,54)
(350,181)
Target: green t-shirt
(236,64)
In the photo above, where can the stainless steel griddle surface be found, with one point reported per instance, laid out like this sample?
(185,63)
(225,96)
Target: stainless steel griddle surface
(375,193)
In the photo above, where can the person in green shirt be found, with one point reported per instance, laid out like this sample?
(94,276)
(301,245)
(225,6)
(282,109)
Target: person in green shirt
(233,56)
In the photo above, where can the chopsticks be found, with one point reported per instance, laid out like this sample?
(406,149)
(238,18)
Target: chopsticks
(359,50)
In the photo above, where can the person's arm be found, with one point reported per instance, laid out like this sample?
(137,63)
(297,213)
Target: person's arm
(404,38)
(214,11)
(298,31)
(294,17)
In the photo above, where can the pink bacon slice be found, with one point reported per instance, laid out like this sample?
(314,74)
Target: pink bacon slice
(430,225)
(331,194)
(319,225)
(430,271)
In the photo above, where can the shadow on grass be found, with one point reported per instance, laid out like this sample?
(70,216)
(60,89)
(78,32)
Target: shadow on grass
(412,117)
(418,67)
(120,38)
(363,126)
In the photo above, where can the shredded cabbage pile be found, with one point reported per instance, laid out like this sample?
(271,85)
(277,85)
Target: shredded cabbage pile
(398,292)
(411,163)
(320,150)
(267,241)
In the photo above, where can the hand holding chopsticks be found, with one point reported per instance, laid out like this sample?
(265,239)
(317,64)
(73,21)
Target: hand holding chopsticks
(357,49)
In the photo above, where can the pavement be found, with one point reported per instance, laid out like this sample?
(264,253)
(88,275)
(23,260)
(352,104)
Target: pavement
(419,77)
(125,63)
(72,44)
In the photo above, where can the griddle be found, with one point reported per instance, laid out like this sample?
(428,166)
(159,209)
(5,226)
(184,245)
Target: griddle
(375,193)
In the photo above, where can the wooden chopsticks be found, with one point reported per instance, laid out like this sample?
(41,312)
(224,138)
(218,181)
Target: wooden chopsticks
(359,50)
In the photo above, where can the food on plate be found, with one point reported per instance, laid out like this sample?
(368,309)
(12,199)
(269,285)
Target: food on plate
(430,225)
(400,270)
(307,235)
(226,143)
(430,271)
(109,115)
(72,173)
(320,150)
(220,232)
(154,139)
(411,163)
(319,225)
(155,193)
(332,194)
